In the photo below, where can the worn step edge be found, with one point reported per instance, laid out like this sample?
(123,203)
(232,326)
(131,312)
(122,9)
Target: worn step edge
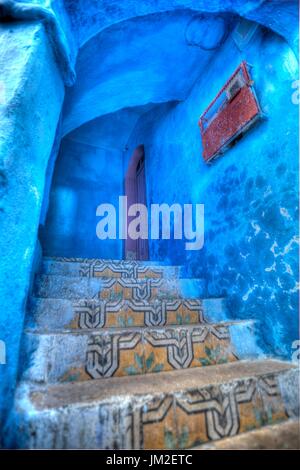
(126,330)
(108,269)
(114,288)
(102,260)
(145,303)
(78,356)
(107,280)
(173,411)
(171,382)
(50,312)
(284,435)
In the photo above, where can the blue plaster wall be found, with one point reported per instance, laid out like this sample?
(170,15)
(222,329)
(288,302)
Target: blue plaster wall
(85,176)
(250,194)
(88,172)
(26,136)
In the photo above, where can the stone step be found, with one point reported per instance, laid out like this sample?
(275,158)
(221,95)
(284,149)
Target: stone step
(107,268)
(49,314)
(93,354)
(282,436)
(64,287)
(179,409)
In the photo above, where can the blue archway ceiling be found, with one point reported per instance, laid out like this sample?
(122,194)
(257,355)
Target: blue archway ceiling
(111,131)
(89,17)
(127,59)
(137,62)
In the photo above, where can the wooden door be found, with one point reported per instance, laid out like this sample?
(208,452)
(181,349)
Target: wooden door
(142,245)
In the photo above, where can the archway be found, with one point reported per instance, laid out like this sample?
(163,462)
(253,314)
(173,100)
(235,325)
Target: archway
(135,190)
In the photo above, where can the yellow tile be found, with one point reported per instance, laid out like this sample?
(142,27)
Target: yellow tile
(191,428)
(115,319)
(135,318)
(156,355)
(131,361)
(274,408)
(106,273)
(159,429)
(175,317)
(250,406)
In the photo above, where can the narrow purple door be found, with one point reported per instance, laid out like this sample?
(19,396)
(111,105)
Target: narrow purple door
(142,245)
(135,190)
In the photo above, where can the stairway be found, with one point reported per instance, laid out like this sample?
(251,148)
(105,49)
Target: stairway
(120,354)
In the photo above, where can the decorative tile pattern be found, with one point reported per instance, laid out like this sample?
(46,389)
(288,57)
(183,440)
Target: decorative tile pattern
(149,351)
(131,313)
(123,269)
(137,290)
(99,314)
(274,408)
(196,347)
(203,414)
(158,424)
(142,307)
(218,411)
(113,354)
(115,269)
(163,347)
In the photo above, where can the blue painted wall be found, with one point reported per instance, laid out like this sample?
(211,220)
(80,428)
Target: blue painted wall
(85,176)
(26,139)
(250,194)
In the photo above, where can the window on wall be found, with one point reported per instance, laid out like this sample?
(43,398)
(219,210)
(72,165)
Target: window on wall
(233,111)
(244,32)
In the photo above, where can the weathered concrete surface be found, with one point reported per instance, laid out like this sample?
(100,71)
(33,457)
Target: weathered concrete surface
(113,413)
(281,436)
(31,98)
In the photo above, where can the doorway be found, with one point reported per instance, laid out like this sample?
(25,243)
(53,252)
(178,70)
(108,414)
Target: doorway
(135,190)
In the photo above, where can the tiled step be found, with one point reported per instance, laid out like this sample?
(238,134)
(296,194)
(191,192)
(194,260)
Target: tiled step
(113,289)
(49,314)
(282,436)
(179,409)
(94,354)
(107,268)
